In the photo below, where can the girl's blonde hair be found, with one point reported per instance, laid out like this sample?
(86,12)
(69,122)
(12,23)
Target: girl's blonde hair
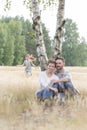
(31,57)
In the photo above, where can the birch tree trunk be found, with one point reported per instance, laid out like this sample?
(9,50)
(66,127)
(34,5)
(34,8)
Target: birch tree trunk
(37,26)
(57,44)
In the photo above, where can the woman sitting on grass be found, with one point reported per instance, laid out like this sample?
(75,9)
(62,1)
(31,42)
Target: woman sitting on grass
(47,89)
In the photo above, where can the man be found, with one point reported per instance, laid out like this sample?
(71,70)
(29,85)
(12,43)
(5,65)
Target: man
(65,81)
(47,88)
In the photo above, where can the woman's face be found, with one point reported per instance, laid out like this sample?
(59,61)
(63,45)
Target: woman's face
(51,67)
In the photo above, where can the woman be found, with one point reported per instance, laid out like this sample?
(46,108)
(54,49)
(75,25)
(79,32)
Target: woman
(48,89)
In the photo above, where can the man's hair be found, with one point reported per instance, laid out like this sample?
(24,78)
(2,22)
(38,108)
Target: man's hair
(60,58)
(52,62)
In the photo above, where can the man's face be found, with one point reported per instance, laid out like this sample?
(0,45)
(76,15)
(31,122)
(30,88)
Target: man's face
(59,64)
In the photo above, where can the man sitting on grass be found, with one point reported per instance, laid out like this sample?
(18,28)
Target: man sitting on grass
(65,81)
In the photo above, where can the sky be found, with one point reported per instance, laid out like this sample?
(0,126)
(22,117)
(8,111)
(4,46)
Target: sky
(74,9)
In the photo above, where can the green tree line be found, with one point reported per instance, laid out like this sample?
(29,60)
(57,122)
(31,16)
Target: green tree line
(17,39)
(74,48)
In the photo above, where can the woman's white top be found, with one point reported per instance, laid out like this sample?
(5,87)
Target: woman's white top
(44,80)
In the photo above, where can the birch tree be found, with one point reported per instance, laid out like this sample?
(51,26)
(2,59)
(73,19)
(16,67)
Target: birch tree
(33,5)
(57,44)
(37,26)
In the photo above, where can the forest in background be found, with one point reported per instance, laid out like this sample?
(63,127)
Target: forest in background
(17,39)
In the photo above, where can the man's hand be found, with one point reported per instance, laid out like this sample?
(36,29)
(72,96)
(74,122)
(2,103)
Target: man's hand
(54,89)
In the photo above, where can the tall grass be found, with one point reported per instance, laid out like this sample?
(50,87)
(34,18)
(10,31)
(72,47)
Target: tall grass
(14,102)
(19,109)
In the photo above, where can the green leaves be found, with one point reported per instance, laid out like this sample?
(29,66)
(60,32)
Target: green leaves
(7,5)
(17,39)
(74,49)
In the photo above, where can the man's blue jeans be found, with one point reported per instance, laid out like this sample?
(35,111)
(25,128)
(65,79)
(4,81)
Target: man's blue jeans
(46,93)
(70,87)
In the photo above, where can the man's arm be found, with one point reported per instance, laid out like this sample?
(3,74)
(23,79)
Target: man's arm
(66,77)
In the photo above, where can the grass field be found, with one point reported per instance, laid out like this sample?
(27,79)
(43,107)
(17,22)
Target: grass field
(20,111)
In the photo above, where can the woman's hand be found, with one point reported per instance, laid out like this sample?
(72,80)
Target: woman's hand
(54,81)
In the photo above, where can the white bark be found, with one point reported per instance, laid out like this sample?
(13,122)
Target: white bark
(37,26)
(59,29)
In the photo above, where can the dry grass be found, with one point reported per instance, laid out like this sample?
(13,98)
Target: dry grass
(20,111)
